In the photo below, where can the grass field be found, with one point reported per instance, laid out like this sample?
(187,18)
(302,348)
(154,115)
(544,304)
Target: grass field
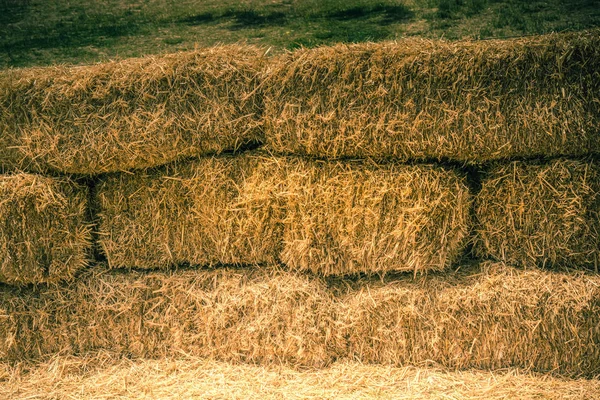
(43,32)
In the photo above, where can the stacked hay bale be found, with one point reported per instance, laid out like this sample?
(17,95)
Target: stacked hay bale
(364,174)
(44,234)
(131,114)
(421,99)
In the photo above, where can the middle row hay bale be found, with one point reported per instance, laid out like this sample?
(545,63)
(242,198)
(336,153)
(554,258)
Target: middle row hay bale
(541,214)
(45,234)
(217,210)
(326,217)
(345,218)
(471,101)
(131,114)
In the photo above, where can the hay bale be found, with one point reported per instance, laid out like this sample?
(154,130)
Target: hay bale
(226,314)
(217,210)
(345,218)
(135,113)
(44,232)
(423,99)
(489,318)
(546,215)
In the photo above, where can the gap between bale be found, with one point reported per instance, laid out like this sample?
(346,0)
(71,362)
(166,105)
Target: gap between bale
(541,214)
(44,232)
(424,99)
(216,210)
(346,218)
(132,114)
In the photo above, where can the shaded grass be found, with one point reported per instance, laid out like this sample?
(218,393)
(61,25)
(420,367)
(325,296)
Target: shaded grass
(36,32)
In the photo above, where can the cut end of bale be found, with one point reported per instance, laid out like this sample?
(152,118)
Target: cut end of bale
(44,235)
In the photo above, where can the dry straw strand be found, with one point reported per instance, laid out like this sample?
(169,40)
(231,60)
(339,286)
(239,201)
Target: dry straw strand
(345,218)
(424,99)
(215,210)
(44,232)
(541,214)
(131,114)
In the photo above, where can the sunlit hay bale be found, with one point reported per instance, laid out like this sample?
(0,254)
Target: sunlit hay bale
(217,210)
(44,235)
(423,99)
(547,215)
(345,218)
(135,113)
(226,314)
(496,317)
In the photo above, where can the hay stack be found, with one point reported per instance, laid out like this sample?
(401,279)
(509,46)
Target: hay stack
(547,215)
(44,235)
(345,218)
(225,314)
(217,210)
(492,318)
(135,113)
(421,99)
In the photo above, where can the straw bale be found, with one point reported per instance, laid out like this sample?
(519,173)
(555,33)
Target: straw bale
(546,215)
(226,314)
(44,233)
(345,218)
(423,99)
(135,113)
(216,210)
(489,318)
(102,376)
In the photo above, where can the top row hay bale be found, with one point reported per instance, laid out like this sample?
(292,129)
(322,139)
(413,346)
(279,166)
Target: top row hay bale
(422,99)
(131,114)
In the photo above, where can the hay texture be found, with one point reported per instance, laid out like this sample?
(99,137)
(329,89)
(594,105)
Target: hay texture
(345,218)
(135,113)
(546,215)
(489,318)
(422,99)
(44,233)
(216,210)
(101,376)
(225,314)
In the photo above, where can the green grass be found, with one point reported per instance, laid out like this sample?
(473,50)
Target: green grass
(42,32)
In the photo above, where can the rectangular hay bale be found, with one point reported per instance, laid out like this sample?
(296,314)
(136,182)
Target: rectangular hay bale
(424,99)
(44,232)
(345,218)
(215,210)
(130,114)
(225,314)
(541,214)
(487,318)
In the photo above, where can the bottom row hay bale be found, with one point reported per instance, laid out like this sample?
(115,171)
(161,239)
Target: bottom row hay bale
(222,314)
(489,316)
(331,218)
(217,210)
(104,376)
(546,215)
(44,235)
(346,218)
